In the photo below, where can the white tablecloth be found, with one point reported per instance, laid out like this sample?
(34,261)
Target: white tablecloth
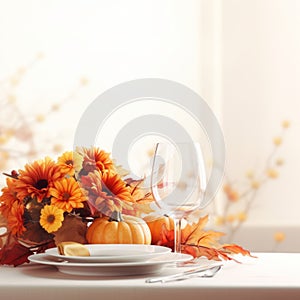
(269,276)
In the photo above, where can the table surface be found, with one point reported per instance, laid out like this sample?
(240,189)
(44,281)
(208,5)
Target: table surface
(269,276)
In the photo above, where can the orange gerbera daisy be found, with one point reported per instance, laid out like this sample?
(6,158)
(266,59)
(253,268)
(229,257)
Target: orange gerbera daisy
(15,219)
(114,186)
(8,197)
(67,194)
(37,178)
(51,218)
(70,163)
(96,159)
(107,192)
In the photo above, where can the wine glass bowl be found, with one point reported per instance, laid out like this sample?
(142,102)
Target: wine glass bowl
(178,181)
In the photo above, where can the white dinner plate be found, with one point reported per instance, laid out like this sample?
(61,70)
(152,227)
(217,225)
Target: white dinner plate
(150,266)
(114,253)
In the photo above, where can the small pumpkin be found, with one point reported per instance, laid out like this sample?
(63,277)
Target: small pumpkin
(118,229)
(155,223)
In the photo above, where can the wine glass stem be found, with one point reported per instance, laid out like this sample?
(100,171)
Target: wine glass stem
(177,235)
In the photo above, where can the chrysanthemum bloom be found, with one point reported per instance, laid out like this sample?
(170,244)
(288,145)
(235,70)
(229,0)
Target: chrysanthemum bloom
(15,219)
(51,218)
(107,192)
(37,178)
(8,197)
(67,194)
(96,159)
(70,163)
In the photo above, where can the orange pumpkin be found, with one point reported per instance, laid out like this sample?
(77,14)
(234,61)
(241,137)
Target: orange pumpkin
(119,229)
(155,223)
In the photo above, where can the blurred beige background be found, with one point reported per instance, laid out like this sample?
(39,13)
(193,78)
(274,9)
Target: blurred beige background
(241,56)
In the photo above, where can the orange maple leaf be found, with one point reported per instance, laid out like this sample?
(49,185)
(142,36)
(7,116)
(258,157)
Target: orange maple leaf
(199,242)
(236,249)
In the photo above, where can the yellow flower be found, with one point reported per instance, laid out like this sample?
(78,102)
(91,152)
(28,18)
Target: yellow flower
(96,159)
(250,174)
(277,141)
(272,173)
(230,218)
(70,162)
(51,218)
(242,216)
(67,194)
(84,81)
(40,118)
(220,221)
(279,236)
(285,124)
(255,184)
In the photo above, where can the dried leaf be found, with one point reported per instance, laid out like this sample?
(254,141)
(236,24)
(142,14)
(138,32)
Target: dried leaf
(73,229)
(198,242)
(35,233)
(142,207)
(195,234)
(236,249)
(198,251)
(13,253)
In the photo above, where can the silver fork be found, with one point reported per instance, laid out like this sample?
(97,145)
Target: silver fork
(196,272)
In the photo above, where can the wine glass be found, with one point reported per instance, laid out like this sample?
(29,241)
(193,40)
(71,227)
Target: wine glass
(178,181)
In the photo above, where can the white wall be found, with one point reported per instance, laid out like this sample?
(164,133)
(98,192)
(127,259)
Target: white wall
(107,42)
(260,88)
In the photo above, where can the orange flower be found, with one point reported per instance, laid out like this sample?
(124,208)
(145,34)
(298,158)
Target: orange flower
(67,194)
(70,163)
(51,218)
(15,219)
(96,159)
(114,186)
(279,236)
(107,192)
(232,194)
(8,197)
(272,173)
(37,178)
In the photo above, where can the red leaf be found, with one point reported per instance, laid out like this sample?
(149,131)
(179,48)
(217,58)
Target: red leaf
(167,237)
(16,254)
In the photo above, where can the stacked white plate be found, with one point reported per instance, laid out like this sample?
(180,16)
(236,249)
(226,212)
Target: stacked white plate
(112,260)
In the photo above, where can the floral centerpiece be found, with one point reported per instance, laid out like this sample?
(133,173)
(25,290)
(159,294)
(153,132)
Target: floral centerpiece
(49,202)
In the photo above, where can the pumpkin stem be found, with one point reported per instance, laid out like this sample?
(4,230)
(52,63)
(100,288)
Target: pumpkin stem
(115,216)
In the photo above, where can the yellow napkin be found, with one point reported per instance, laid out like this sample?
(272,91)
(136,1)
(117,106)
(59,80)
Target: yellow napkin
(72,249)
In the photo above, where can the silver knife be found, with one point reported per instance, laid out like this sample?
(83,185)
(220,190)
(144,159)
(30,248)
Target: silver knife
(187,274)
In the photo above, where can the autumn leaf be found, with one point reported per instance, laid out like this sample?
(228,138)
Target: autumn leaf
(167,237)
(73,229)
(35,234)
(194,234)
(13,253)
(142,207)
(199,242)
(16,255)
(143,198)
(236,249)
(198,251)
